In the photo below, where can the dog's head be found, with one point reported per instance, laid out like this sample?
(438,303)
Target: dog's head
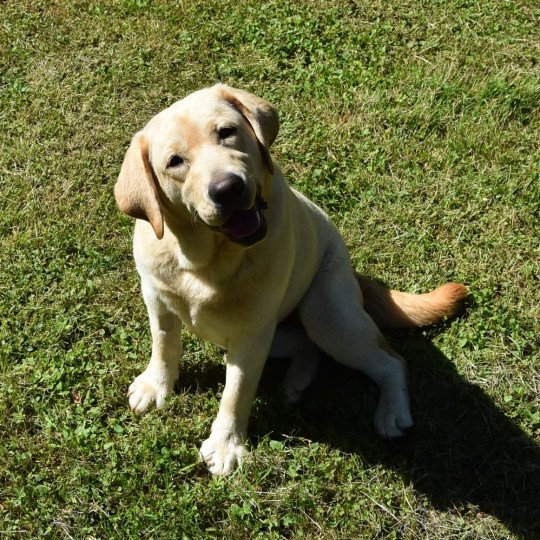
(205,158)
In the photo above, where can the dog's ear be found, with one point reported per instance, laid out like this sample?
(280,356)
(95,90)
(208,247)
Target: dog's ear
(260,114)
(136,190)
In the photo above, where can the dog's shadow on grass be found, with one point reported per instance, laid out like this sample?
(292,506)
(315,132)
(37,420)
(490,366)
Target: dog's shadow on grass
(463,450)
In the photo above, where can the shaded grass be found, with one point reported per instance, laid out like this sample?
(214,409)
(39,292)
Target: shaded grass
(416,125)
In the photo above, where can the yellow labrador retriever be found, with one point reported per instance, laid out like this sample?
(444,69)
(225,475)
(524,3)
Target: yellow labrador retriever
(225,247)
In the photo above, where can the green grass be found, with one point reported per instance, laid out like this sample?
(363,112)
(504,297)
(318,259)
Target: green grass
(415,124)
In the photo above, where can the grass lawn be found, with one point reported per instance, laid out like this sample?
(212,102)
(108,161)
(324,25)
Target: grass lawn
(416,125)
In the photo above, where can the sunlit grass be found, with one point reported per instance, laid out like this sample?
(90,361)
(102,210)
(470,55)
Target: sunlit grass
(416,126)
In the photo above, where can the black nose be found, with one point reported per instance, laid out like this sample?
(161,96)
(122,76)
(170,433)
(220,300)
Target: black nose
(228,190)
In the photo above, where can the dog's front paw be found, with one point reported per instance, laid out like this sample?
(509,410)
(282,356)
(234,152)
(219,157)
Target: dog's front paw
(222,453)
(148,389)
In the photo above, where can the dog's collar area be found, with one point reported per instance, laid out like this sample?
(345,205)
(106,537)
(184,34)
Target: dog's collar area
(247,227)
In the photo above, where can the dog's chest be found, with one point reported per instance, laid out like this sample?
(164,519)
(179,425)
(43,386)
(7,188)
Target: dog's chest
(221,301)
(213,312)
(198,301)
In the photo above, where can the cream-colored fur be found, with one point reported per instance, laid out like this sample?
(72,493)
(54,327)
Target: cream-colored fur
(196,273)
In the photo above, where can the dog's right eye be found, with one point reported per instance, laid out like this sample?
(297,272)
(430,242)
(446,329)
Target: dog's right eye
(174,161)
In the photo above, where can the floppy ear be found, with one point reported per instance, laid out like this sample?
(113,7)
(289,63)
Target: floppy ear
(136,190)
(260,114)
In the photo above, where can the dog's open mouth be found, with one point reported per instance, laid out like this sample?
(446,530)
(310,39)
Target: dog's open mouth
(247,227)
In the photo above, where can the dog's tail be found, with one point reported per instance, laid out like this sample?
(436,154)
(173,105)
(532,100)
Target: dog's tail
(395,309)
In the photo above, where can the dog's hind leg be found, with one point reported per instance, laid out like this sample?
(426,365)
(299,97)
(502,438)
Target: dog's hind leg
(292,341)
(333,317)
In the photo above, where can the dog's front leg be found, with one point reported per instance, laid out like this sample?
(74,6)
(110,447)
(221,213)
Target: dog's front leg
(153,385)
(224,449)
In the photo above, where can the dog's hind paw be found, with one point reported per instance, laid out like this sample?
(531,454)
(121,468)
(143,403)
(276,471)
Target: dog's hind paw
(223,453)
(147,390)
(301,374)
(392,420)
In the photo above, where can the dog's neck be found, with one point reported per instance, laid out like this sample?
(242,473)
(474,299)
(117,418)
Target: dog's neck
(202,250)
(199,249)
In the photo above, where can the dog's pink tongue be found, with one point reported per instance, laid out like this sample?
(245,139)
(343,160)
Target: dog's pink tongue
(243,223)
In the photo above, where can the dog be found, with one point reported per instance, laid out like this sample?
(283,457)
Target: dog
(225,247)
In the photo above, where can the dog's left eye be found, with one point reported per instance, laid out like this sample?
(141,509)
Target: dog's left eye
(174,161)
(226,132)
